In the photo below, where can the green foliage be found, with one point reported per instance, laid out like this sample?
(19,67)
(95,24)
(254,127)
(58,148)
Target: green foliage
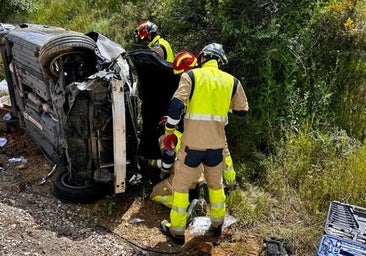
(115,19)
(343,180)
(108,206)
(249,206)
(339,60)
(318,168)
(303,67)
(13,11)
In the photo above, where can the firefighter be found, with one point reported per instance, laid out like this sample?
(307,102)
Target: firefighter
(154,99)
(162,192)
(185,61)
(147,33)
(206,94)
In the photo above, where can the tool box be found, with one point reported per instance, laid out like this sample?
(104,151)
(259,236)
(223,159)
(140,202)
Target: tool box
(346,221)
(345,231)
(335,246)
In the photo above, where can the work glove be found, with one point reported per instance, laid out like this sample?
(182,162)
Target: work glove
(229,179)
(169,142)
(229,174)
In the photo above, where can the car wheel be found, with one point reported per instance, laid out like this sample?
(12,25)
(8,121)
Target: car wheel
(50,53)
(66,191)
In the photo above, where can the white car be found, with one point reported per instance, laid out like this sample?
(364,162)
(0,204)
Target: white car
(75,95)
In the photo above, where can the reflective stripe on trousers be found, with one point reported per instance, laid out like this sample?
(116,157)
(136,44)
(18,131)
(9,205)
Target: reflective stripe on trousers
(217,206)
(178,213)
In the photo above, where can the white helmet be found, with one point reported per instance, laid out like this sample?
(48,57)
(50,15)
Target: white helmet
(214,50)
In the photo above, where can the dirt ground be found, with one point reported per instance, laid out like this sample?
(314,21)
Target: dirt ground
(125,224)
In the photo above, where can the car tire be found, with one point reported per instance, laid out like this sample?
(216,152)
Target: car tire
(67,192)
(58,47)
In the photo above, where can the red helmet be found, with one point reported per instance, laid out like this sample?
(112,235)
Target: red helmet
(145,28)
(184,61)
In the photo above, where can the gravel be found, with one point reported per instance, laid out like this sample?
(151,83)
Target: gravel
(34,222)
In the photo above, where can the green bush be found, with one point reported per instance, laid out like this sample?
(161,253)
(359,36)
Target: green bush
(14,11)
(303,68)
(339,62)
(318,168)
(249,206)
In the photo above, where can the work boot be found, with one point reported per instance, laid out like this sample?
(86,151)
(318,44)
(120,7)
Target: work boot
(198,207)
(165,229)
(216,231)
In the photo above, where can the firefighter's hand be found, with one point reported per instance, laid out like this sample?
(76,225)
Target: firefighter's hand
(170,141)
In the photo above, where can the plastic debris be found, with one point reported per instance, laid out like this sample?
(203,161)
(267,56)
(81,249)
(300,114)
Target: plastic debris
(45,178)
(201,224)
(3,86)
(7,117)
(20,159)
(136,178)
(4,101)
(3,141)
(136,220)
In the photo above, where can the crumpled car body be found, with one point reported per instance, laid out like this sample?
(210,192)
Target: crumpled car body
(75,96)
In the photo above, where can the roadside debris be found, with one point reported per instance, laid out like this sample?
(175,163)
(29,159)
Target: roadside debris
(3,141)
(201,224)
(136,220)
(3,85)
(7,117)
(45,178)
(20,159)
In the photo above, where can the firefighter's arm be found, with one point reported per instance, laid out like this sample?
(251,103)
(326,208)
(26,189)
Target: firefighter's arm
(175,111)
(178,102)
(239,103)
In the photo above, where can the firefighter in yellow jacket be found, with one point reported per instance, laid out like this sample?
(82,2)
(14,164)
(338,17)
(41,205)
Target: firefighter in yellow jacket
(162,192)
(152,97)
(207,94)
(147,33)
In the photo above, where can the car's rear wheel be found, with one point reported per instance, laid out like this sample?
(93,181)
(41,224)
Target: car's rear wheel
(66,190)
(78,45)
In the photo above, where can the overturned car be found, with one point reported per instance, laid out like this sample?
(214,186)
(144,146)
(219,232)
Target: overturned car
(75,95)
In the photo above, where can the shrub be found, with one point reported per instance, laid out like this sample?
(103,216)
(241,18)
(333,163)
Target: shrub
(316,168)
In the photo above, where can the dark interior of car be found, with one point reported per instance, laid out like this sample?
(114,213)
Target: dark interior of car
(157,84)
